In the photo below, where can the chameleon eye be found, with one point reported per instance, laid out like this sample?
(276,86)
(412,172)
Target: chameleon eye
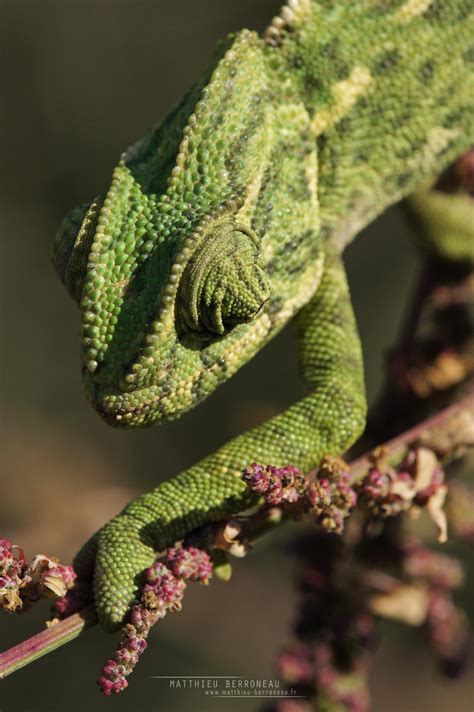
(71,247)
(224,283)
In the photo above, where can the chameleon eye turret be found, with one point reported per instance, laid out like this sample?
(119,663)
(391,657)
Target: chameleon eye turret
(224,283)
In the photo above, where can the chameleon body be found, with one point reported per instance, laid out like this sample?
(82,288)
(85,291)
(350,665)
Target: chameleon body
(228,219)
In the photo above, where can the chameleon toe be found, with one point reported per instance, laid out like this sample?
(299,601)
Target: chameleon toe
(121,558)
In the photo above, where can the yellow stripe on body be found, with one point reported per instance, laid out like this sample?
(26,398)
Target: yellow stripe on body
(345,93)
(411,9)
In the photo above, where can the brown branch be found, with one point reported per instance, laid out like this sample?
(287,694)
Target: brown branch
(448,433)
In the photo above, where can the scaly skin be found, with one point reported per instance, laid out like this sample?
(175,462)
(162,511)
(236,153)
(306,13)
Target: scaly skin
(227,220)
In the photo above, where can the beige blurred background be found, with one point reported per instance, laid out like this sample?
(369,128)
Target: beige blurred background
(81,80)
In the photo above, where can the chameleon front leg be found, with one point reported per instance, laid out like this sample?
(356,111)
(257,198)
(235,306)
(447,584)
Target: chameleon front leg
(328,419)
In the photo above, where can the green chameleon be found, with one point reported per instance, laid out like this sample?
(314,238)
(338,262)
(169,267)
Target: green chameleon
(228,219)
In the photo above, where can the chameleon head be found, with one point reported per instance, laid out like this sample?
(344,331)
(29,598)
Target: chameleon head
(166,268)
(180,270)
(178,329)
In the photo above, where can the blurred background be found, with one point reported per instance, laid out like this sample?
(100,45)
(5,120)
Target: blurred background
(81,80)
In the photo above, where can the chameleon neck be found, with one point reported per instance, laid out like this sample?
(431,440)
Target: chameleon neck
(350,63)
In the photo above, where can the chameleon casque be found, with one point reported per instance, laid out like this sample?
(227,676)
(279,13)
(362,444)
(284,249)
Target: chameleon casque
(228,219)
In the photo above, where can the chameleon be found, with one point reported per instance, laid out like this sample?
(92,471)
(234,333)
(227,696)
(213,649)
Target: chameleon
(229,219)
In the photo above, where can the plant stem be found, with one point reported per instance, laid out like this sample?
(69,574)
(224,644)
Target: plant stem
(46,641)
(447,432)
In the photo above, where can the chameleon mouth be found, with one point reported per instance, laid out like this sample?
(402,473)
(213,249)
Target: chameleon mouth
(104,400)
(140,407)
(118,416)
(122,410)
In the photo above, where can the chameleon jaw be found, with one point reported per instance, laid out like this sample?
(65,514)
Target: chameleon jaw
(117,408)
(193,371)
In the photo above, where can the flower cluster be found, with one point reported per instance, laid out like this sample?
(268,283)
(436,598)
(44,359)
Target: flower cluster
(417,482)
(421,595)
(12,575)
(386,493)
(162,593)
(447,626)
(22,584)
(296,664)
(77,598)
(190,563)
(347,689)
(332,496)
(436,569)
(313,668)
(127,654)
(328,660)
(276,484)
(328,498)
(448,633)
(390,576)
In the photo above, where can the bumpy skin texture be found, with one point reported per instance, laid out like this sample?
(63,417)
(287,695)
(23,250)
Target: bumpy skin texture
(228,219)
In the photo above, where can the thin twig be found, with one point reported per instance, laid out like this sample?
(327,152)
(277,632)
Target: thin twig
(47,640)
